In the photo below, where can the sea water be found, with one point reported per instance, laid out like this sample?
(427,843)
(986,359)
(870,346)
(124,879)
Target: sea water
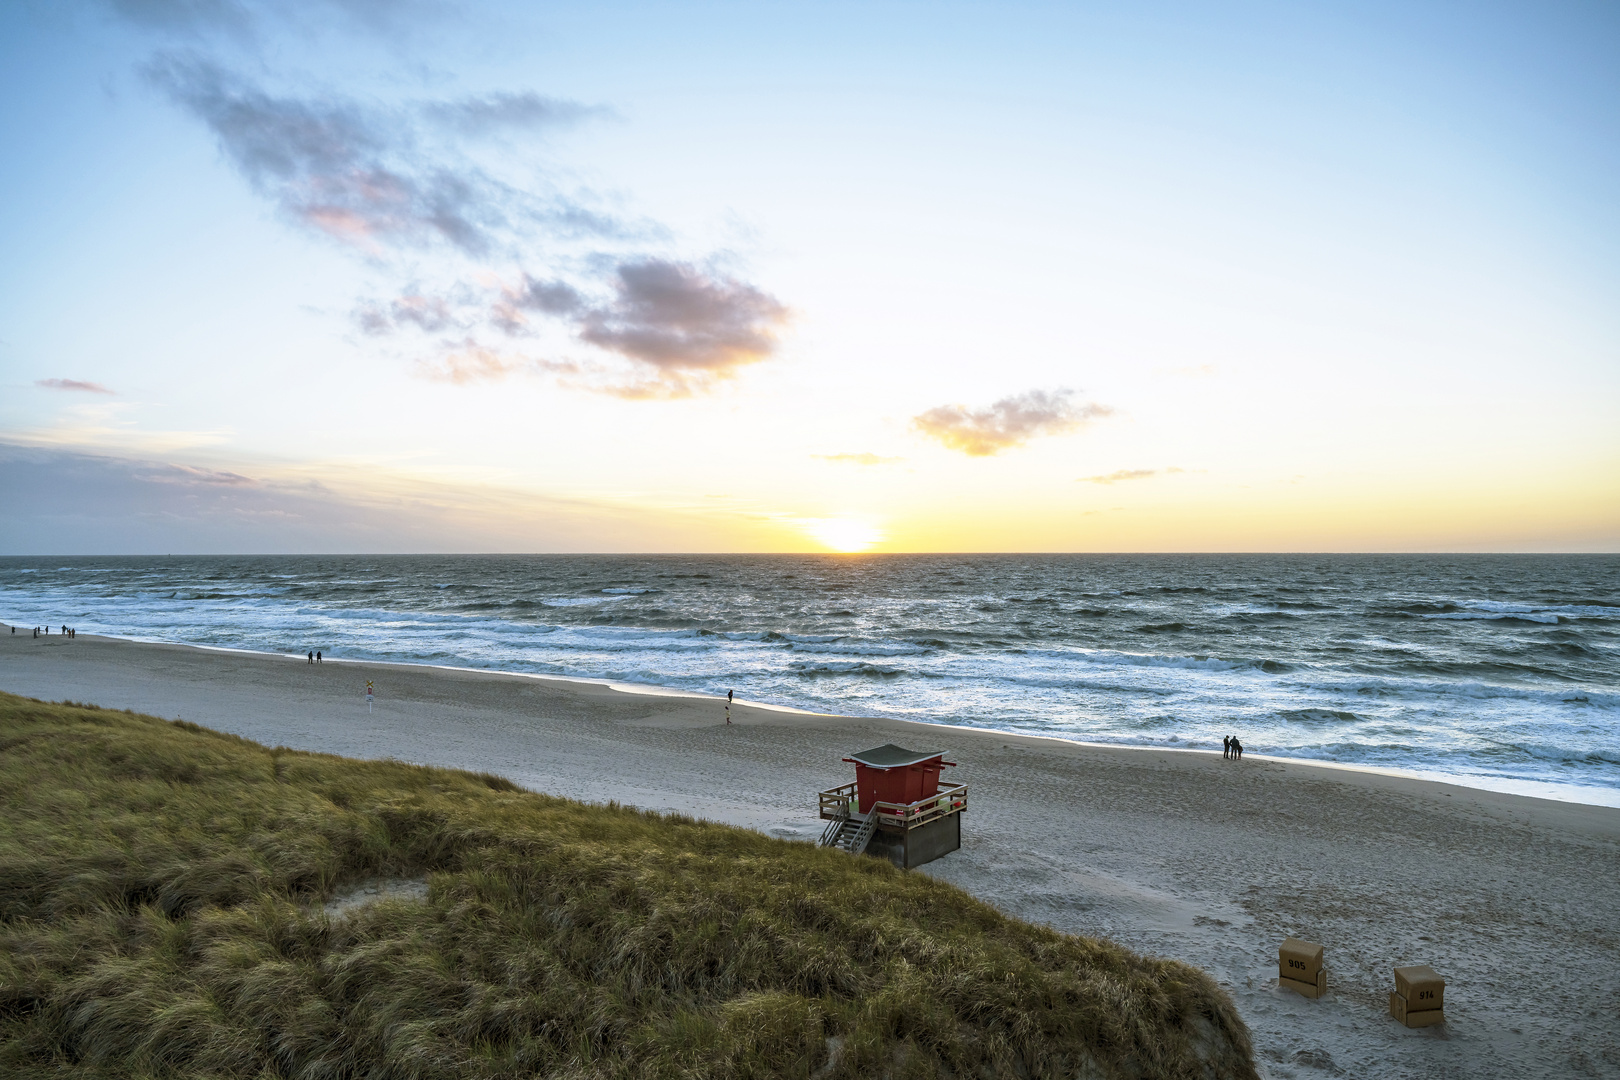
(1495,671)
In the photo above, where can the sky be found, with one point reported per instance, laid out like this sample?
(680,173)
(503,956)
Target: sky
(371,276)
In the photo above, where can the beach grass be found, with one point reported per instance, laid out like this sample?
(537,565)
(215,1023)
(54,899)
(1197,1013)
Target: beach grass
(164,912)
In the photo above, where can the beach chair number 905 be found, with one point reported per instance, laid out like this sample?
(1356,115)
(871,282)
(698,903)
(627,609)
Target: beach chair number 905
(1296,964)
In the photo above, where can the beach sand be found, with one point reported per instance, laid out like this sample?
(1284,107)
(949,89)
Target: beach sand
(1516,901)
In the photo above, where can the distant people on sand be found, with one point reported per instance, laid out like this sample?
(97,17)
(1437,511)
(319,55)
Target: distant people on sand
(317,656)
(1237,748)
(1226,747)
(1231,749)
(312,656)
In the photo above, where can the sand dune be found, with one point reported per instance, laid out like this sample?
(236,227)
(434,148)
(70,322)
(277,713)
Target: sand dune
(1182,855)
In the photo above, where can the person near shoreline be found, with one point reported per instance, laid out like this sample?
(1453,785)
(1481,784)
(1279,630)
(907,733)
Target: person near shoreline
(1226,746)
(1237,748)
(312,656)
(317,656)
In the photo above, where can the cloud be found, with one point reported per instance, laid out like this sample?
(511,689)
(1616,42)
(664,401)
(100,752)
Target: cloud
(469,363)
(430,314)
(1127,474)
(366,177)
(859,459)
(509,312)
(190,475)
(525,111)
(392,182)
(681,327)
(71,502)
(681,321)
(327,165)
(1010,422)
(73,384)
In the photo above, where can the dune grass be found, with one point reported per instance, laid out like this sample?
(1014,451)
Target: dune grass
(161,890)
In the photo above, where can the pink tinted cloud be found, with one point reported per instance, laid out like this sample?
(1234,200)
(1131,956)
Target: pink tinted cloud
(74,384)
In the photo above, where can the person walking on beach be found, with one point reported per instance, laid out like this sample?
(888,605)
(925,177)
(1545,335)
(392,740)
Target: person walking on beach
(1237,748)
(1226,747)
(312,656)
(317,656)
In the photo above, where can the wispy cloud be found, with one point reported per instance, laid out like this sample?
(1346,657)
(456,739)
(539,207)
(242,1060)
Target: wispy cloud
(100,503)
(1127,474)
(523,111)
(390,183)
(361,176)
(1010,422)
(859,459)
(73,384)
(470,363)
(430,314)
(188,475)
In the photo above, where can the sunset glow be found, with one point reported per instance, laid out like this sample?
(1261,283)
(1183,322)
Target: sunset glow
(1055,279)
(848,535)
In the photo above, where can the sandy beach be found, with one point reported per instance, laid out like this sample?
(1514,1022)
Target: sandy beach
(1185,855)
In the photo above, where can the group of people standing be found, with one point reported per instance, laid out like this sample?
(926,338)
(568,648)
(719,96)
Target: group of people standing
(67,631)
(1233,749)
(315,656)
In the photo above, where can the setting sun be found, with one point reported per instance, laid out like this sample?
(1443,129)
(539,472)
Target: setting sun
(843,534)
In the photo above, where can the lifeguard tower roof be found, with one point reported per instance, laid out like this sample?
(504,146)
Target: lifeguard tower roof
(890,756)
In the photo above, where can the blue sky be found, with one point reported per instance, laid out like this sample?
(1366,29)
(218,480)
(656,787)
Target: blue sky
(353,275)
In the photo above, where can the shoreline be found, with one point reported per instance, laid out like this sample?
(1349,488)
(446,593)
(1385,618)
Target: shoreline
(1574,794)
(1175,854)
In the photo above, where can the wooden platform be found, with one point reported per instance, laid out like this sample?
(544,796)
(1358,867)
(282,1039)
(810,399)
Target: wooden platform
(907,834)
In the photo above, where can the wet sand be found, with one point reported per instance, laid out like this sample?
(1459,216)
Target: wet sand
(1513,899)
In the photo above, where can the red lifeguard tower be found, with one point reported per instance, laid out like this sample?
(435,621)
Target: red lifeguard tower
(897,808)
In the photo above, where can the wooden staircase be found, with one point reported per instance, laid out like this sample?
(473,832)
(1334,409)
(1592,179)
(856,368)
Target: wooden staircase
(851,833)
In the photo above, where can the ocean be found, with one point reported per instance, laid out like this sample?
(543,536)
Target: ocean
(1497,671)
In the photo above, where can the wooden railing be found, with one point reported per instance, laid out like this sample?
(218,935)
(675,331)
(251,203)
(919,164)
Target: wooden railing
(839,802)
